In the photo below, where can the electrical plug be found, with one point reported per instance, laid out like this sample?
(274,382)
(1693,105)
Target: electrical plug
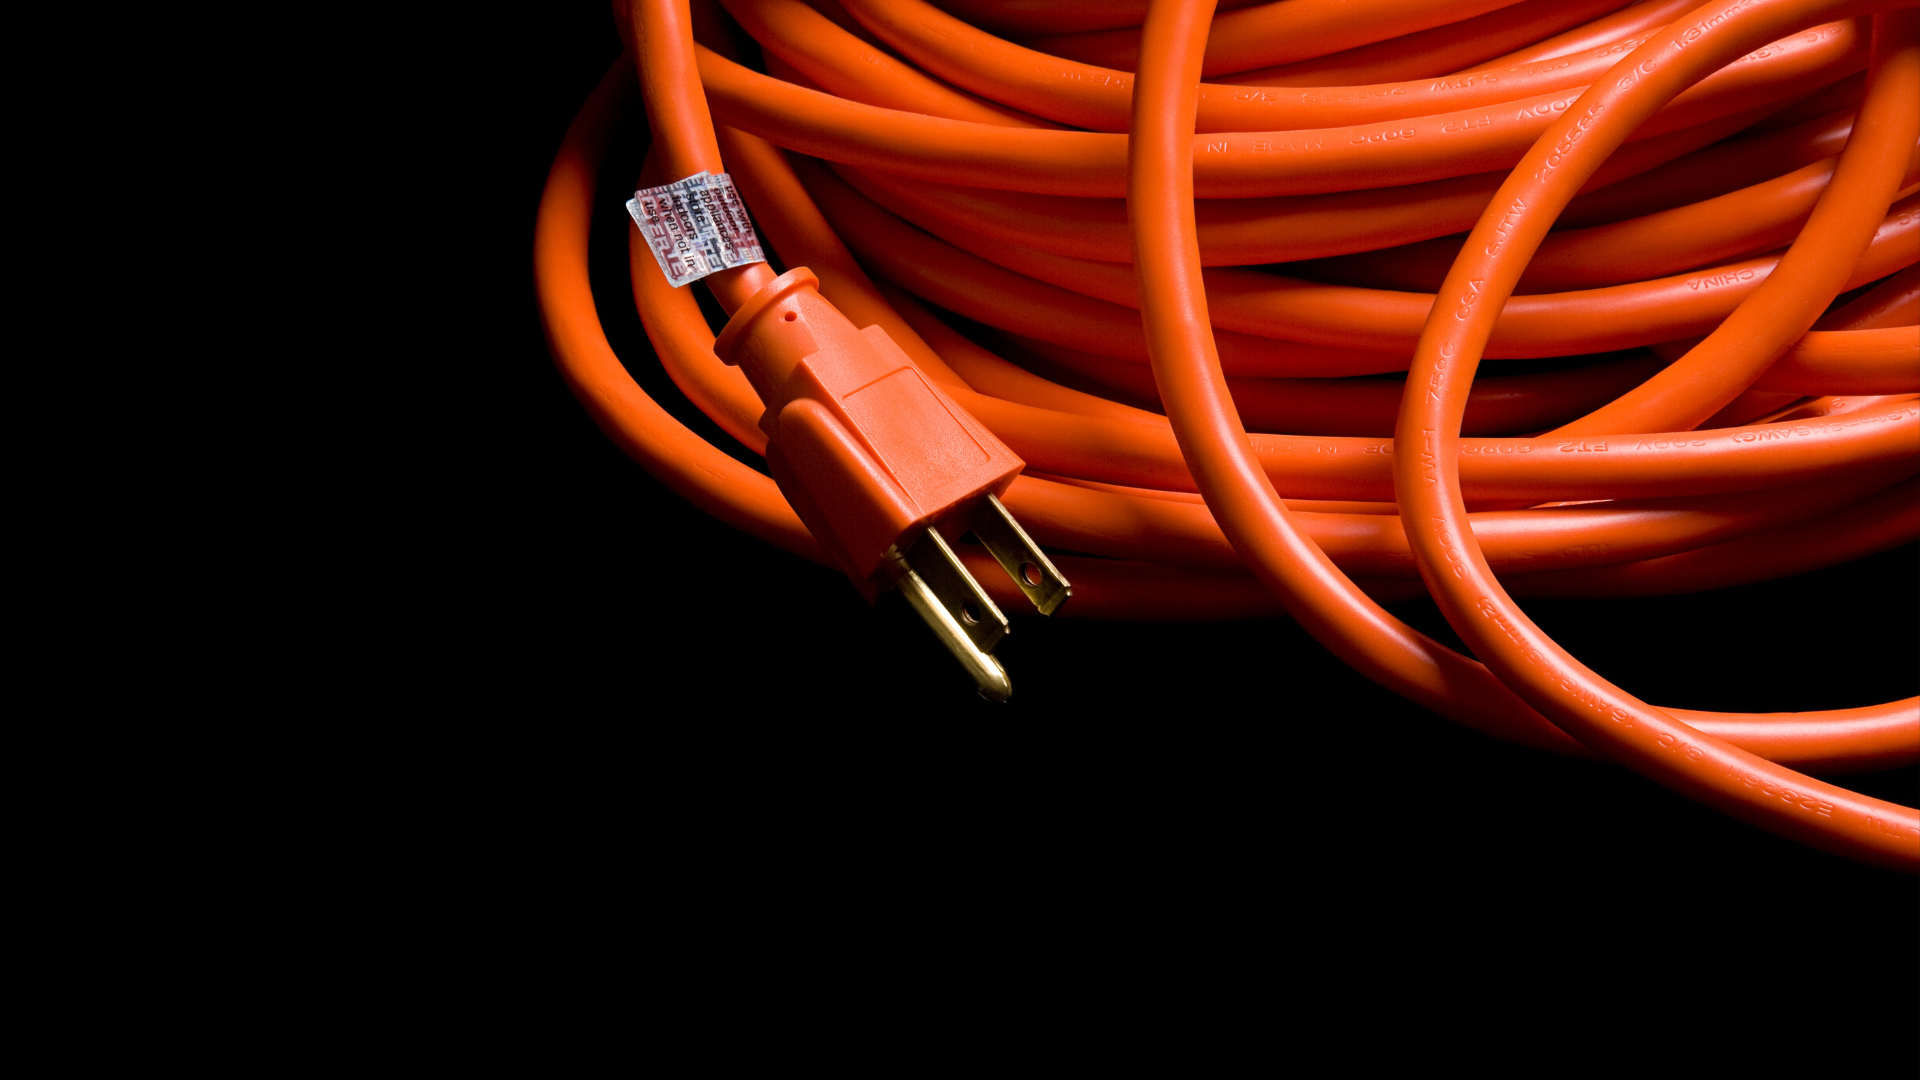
(884,467)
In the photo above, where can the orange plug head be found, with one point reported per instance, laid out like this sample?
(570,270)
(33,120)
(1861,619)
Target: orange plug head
(866,448)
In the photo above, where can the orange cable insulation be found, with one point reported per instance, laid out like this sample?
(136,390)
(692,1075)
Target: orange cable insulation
(1158,480)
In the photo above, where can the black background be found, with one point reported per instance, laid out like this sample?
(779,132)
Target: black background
(740,727)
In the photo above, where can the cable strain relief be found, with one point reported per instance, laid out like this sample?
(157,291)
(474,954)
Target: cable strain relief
(737,338)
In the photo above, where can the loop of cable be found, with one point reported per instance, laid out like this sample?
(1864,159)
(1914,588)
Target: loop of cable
(1234,319)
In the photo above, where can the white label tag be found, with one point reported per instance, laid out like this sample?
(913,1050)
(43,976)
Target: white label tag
(697,226)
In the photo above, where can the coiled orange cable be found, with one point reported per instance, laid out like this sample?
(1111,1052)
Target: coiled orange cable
(946,173)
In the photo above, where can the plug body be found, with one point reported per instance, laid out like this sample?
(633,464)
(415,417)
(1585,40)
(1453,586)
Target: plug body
(868,451)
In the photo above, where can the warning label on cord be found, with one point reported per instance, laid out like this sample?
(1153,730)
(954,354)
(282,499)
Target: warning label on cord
(697,226)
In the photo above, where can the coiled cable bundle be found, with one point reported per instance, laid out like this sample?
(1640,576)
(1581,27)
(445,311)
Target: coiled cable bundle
(1204,273)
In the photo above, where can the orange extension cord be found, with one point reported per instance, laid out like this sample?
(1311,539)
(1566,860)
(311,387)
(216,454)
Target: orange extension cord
(1661,203)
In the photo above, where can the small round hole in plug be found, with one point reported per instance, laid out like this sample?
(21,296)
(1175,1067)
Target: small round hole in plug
(1031,574)
(791,315)
(970,613)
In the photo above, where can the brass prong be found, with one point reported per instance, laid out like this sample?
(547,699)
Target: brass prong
(1019,556)
(987,673)
(956,590)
